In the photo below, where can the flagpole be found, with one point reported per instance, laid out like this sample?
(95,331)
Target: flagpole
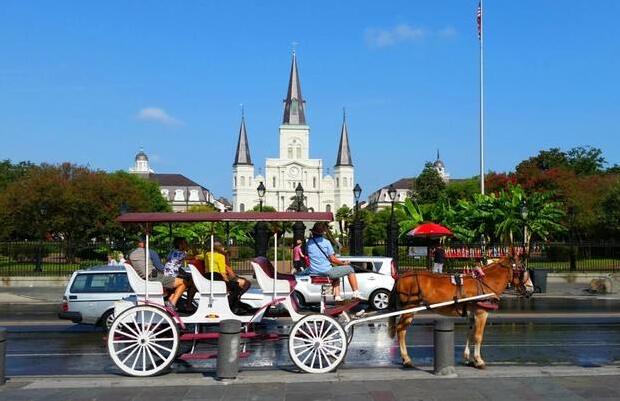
(481,98)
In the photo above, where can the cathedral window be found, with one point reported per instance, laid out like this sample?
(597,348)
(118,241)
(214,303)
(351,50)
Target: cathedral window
(242,207)
(242,181)
(294,106)
(234,182)
(290,152)
(328,208)
(337,182)
(273,181)
(313,182)
(299,152)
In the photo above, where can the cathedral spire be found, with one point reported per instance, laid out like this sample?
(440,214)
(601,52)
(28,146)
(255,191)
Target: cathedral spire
(344,151)
(294,110)
(243,148)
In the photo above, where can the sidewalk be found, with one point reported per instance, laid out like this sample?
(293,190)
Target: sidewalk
(565,383)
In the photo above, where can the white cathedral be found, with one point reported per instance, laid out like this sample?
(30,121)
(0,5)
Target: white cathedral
(326,193)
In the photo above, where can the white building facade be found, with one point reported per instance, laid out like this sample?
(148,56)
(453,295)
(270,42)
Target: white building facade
(294,166)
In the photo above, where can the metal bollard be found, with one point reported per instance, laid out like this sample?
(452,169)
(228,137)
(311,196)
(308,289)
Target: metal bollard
(443,339)
(2,355)
(228,349)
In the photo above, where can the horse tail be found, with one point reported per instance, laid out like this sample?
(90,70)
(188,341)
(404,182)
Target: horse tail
(393,305)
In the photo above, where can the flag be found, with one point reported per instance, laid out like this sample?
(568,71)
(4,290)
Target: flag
(479,20)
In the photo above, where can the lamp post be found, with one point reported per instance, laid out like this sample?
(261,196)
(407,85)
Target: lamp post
(392,229)
(261,195)
(261,235)
(299,228)
(571,237)
(356,242)
(124,208)
(524,214)
(38,267)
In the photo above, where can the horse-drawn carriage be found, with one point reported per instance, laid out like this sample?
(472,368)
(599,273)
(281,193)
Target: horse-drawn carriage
(145,337)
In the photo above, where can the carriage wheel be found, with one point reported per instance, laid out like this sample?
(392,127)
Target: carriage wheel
(317,344)
(143,340)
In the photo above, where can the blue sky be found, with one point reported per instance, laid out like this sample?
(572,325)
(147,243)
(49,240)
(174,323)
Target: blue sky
(91,83)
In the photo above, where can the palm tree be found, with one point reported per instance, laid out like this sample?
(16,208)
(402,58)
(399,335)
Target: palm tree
(413,216)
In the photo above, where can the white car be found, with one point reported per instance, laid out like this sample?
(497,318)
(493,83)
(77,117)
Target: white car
(90,295)
(375,276)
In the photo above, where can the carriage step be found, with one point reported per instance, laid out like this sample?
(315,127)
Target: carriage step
(344,307)
(201,356)
(211,336)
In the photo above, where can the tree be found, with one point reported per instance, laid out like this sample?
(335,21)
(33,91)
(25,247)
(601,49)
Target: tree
(343,215)
(610,211)
(72,203)
(545,160)
(429,186)
(586,160)
(412,216)
(10,172)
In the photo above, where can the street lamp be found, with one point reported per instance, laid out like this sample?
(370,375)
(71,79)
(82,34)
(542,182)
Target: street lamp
(261,235)
(261,195)
(392,229)
(524,214)
(355,239)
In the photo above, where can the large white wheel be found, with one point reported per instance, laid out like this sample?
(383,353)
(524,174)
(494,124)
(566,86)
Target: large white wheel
(317,344)
(143,340)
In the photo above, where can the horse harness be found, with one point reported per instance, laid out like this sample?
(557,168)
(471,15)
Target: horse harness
(457,280)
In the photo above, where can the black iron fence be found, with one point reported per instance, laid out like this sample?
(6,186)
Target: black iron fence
(554,256)
(61,258)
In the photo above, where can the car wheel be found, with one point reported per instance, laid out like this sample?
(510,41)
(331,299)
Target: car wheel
(301,301)
(380,299)
(107,319)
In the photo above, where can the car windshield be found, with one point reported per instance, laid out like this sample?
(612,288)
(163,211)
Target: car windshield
(100,282)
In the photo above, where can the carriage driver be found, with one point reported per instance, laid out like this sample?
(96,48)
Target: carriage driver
(323,261)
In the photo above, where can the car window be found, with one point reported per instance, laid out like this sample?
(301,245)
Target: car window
(377,266)
(366,266)
(101,282)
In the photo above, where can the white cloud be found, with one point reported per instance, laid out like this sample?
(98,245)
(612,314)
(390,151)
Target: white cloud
(402,33)
(157,115)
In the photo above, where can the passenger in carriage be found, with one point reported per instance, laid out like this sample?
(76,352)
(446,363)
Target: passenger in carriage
(222,271)
(137,259)
(323,261)
(173,268)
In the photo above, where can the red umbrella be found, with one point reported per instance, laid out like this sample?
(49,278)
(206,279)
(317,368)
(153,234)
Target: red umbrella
(430,230)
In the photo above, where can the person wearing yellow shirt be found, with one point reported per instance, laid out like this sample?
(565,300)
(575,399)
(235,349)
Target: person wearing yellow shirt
(223,269)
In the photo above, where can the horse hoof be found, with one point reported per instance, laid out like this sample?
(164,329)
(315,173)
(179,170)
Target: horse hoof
(469,363)
(408,365)
(480,366)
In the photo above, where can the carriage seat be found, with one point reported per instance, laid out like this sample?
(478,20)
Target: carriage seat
(264,271)
(155,289)
(320,280)
(203,284)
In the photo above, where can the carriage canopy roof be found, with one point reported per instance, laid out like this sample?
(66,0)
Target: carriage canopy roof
(129,218)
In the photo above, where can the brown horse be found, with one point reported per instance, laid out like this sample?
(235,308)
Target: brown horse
(425,288)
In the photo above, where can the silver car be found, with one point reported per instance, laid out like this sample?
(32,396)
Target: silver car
(90,295)
(375,276)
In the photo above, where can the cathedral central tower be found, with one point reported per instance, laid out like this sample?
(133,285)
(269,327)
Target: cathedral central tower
(294,165)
